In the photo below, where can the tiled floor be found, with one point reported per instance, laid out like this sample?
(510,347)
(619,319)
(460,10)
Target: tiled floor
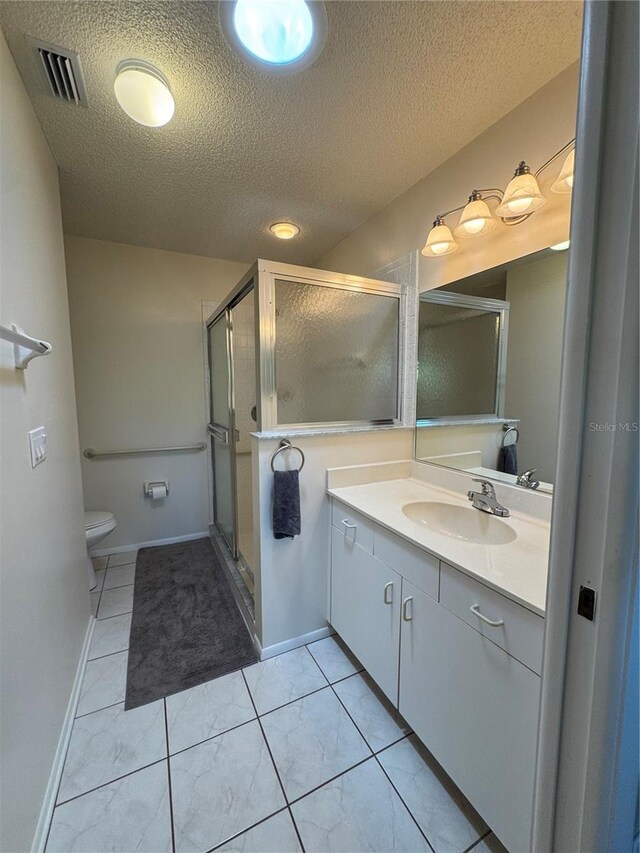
(299,752)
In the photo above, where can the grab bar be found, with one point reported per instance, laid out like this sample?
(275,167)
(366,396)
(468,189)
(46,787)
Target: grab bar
(90,453)
(20,341)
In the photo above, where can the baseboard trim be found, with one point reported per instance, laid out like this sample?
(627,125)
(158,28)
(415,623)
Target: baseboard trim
(294,643)
(172,540)
(51,791)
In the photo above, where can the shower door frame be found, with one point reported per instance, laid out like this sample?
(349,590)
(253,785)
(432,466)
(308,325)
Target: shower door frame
(244,287)
(267,274)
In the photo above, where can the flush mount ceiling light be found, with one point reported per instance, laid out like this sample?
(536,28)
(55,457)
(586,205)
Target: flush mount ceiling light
(521,198)
(284,230)
(143,93)
(280,36)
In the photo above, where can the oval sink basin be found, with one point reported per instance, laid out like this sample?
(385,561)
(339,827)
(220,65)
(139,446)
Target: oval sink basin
(459,522)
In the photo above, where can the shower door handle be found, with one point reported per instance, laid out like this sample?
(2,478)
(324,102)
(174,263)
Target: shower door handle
(220,433)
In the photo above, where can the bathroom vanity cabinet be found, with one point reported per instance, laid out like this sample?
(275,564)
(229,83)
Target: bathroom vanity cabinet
(468,688)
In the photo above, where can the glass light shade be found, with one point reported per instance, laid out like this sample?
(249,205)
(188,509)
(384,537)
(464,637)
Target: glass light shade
(564,182)
(144,94)
(521,196)
(284,230)
(476,219)
(439,242)
(274,31)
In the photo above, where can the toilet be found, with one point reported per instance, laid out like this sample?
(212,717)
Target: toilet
(96,526)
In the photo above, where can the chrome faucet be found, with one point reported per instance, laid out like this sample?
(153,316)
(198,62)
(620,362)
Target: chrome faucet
(486,499)
(525,480)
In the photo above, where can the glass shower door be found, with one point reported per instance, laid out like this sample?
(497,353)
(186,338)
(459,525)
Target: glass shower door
(221,430)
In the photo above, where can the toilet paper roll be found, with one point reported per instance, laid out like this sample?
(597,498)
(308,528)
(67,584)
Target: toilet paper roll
(158,492)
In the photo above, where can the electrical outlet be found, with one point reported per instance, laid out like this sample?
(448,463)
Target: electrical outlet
(37,445)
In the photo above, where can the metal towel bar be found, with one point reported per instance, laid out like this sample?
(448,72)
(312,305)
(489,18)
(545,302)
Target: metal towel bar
(90,453)
(507,430)
(285,444)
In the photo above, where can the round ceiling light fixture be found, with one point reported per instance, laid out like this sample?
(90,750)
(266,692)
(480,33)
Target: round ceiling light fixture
(284,230)
(280,36)
(143,93)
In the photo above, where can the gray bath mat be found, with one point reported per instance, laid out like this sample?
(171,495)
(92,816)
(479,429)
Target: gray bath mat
(186,627)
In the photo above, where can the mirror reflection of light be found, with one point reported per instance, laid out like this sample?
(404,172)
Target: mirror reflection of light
(275,31)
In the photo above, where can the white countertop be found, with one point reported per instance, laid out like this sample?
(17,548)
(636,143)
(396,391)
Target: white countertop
(517,569)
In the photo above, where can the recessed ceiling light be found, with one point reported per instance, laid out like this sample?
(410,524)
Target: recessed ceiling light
(143,93)
(560,247)
(284,230)
(281,36)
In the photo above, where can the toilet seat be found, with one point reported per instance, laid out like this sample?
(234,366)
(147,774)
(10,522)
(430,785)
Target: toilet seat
(97,519)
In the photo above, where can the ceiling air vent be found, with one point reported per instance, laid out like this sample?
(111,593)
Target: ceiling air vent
(62,71)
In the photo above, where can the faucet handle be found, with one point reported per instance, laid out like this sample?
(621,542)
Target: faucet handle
(487,487)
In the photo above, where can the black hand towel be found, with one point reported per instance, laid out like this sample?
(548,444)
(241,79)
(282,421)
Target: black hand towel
(508,459)
(286,505)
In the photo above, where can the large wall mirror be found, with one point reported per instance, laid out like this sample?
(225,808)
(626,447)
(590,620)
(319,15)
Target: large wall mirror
(489,353)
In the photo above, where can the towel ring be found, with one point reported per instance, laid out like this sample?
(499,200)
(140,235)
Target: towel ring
(285,444)
(507,430)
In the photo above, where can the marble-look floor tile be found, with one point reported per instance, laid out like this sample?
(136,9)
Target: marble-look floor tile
(94,598)
(312,740)
(99,581)
(123,559)
(131,814)
(282,679)
(209,709)
(444,815)
(358,811)
(104,683)
(99,562)
(222,787)
(113,602)
(110,635)
(110,744)
(489,844)
(119,576)
(371,711)
(274,835)
(334,658)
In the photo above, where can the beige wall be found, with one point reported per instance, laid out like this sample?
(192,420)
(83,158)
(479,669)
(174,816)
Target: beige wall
(533,131)
(44,609)
(136,320)
(536,294)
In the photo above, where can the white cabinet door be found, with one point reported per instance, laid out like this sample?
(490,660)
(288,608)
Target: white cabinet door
(476,710)
(365,610)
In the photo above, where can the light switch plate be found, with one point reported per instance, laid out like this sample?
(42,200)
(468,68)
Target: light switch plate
(37,445)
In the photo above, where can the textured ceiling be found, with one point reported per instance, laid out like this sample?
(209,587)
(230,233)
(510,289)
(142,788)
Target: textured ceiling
(399,88)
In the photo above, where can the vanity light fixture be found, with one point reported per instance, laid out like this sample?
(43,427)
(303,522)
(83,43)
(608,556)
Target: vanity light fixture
(143,93)
(440,240)
(564,182)
(476,218)
(521,198)
(284,230)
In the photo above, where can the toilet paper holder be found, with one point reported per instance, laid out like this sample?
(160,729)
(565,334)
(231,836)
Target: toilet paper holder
(149,486)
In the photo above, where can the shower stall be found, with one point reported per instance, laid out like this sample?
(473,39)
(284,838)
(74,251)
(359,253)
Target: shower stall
(292,351)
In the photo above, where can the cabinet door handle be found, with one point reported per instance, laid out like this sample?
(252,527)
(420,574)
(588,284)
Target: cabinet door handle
(348,526)
(405,609)
(388,593)
(475,609)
